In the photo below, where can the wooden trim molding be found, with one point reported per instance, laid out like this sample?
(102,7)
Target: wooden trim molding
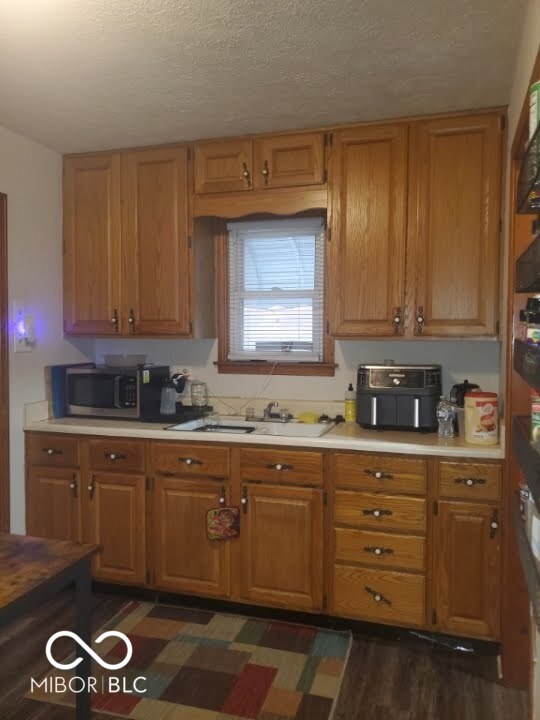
(253,367)
(4,372)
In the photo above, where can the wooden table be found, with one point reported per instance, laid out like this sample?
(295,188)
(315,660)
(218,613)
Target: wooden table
(31,571)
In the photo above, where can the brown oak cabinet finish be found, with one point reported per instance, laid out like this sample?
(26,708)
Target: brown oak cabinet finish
(288,160)
(116,454)
(379,473)
(92,284)
(469,481)
(375,510)
(467,569)
(190,460)
(454,217)
(186,561)
(127,264)
(223,166)
(155,254)
(52,503)
(52,450)
(366,254)
(281,466)
(116,519)
(282,546)
(380,549)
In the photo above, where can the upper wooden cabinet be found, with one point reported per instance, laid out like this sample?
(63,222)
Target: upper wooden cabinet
(366,252)
(92,282)
(223,166)
(454,219)
(279,161)
(127,264)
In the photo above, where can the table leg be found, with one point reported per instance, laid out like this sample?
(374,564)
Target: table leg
(83,604)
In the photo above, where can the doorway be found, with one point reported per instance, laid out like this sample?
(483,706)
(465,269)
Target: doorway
(4,372)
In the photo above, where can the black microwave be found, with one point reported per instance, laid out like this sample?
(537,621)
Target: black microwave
(115,392)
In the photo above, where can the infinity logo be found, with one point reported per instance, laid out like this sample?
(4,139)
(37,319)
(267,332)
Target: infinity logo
(103,636)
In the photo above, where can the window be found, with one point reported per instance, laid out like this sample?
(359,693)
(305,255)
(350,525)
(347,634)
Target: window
(275,291)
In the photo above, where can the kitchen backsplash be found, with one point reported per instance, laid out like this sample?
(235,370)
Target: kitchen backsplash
(476,360)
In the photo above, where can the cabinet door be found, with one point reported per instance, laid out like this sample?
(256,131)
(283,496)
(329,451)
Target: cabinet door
(282,546)
(289,160)
(467,569)
(366,254)
(155,254)
(185,559)
(453,264)
(223,166)
(116,519)
(52,503)
(92,244)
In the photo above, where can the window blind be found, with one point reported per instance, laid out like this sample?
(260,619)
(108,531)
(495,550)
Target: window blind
(276,290)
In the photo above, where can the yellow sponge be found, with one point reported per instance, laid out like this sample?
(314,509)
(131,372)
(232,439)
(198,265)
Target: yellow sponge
(308,417)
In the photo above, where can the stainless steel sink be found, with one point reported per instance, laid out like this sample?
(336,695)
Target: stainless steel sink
(234,425)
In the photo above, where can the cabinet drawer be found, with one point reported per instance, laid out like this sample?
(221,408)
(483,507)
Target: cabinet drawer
(380,473)
(52,450)
(190,460)
(469,480)
(387,512)
(281,466)
(379,595)
(116,454)
(380,549)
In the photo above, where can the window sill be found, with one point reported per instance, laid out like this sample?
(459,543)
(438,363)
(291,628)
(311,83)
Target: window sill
(263,367)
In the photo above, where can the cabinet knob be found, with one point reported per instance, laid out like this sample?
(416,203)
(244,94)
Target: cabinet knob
(397,320)
(246,175)
(74,486)
(131,320)
(223,496)
(114,320)
(52,451)
(266,172)
(280,466)
(420,320)
(378,550)
(244,498)
(376,512)
(92,487)
(377,596)
(379,474)
(469,481)
(494,525)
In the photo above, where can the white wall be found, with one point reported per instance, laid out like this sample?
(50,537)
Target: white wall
(31,175)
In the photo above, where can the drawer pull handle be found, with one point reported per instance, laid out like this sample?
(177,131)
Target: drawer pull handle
(379,550)
(280,466)
(379,474)
(377,512)
(223,496)
(74,486)
(189,461)
(244,499)
(246,175)
(470,481)
(92,487)
(114,456)
(52,451)
(377,596)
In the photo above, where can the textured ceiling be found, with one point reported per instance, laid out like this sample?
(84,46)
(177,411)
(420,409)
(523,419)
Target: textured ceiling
(93,74)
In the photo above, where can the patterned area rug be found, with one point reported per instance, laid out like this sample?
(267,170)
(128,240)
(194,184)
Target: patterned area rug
(200,665)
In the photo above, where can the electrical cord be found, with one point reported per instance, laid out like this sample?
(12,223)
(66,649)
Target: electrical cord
(257,397)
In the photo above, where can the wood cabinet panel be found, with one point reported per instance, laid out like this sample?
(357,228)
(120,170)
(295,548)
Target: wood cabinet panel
(454,215)
(221,166)
(379,473)
(116,454)
(281,466)
(379,595)
(155,254)
(91,264)
(288,160)
(52,450)
(185,559)
(374,510)
(117,522)
(366,255)
(190,460)
(467,569)
(470,481)
(53,503)
(406,552)
(282,543)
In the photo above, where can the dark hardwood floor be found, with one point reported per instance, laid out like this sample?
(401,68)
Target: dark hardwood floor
(388,678)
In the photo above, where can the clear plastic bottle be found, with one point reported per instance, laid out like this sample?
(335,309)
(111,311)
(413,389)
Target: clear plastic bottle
(445,418)
(350,404)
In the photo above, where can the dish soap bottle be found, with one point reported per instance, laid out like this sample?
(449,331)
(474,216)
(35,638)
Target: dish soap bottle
(350,404)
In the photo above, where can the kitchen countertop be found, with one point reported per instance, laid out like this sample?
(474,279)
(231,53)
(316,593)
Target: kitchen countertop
(346,436)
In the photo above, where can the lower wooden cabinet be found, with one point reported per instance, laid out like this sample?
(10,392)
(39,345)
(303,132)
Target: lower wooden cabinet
(186,561)
(467,569)
(282,546)
(116,519)
(52,500)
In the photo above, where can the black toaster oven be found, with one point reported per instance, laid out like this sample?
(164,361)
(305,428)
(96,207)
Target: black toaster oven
(398,397)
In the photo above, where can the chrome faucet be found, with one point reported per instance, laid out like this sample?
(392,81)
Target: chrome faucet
(268,410)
